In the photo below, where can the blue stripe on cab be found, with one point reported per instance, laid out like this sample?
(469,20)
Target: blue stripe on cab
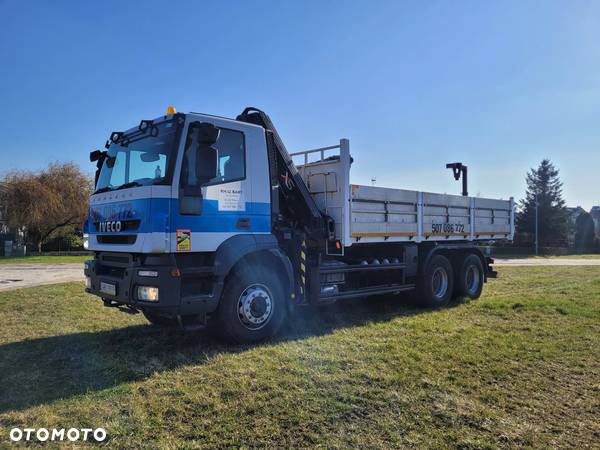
(154,216)
(213,220)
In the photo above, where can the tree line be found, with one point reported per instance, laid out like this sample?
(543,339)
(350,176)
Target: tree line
(554,224)
(46,205)
(53,204)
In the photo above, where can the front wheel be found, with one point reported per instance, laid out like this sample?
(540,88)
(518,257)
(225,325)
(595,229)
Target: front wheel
(436,285)
(252,307)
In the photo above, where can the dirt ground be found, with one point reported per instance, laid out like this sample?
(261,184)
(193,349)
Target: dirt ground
(15,276)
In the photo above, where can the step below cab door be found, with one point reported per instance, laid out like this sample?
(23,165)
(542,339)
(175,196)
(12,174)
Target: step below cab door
(236,200)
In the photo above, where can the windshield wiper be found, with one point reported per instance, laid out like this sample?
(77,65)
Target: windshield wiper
(123,186)
(128,185)
(104,189)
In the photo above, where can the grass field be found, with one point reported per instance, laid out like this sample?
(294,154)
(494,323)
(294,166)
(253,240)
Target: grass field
(43,259)
(519,367)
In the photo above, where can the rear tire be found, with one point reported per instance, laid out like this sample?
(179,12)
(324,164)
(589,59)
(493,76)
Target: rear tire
(469,277)
(436,286)
(252,306)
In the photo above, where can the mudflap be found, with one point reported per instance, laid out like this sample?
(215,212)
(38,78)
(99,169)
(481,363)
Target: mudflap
(490,272)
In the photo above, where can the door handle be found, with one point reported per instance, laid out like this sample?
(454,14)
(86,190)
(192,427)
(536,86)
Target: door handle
(243,223)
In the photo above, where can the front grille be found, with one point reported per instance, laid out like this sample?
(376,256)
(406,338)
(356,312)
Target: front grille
(118,272)
(115,258)
(126,225)
(116,238)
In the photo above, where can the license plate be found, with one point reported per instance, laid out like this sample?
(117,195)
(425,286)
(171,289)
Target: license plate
(108,288)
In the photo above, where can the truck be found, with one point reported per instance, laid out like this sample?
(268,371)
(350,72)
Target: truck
(203,220)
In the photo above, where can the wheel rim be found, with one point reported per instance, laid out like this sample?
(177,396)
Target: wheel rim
(472,279)
(439,283)
(255,307)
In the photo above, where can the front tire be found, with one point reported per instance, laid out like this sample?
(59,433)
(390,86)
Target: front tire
(252,306)
(436,286)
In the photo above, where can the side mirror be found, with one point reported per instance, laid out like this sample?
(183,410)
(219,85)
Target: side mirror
(207,133)
(190,197)
(201,158)
(206,154)
(99,157)
(95,155)
(206,163)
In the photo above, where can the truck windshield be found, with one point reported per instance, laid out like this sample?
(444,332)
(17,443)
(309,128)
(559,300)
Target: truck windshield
(146,161)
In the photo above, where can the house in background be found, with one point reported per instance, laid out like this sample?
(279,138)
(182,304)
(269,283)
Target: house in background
(11,240)
(3,224)
(595,213)
(573,214)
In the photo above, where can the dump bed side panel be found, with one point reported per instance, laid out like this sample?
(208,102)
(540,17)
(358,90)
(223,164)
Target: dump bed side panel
(365,214)
(389,215)
(383,213)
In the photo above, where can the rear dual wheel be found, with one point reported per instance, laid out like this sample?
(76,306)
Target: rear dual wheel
(470,277)
(436,286)
(441,281)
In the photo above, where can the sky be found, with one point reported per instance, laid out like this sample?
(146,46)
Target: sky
(414,85)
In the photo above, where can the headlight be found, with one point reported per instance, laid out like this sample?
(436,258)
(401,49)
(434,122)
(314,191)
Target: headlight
(86,241)
(147,293)
(88,282)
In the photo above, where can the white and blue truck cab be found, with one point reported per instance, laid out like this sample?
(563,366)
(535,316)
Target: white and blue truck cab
(200,218)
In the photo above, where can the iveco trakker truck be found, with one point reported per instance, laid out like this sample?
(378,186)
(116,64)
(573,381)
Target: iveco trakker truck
(197,218)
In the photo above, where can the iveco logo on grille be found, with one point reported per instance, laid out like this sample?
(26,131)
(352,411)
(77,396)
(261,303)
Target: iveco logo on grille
(109,226)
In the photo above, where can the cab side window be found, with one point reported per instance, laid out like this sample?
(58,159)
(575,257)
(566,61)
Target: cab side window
(231,162)
(232,157)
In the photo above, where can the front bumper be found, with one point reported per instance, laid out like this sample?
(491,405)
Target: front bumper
(123,272)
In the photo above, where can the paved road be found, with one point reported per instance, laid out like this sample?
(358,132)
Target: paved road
(15,276)
(546,262)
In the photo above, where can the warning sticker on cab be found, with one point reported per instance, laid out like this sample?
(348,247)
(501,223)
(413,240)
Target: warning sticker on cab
(184,240)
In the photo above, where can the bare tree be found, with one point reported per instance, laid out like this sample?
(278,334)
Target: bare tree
(45,203)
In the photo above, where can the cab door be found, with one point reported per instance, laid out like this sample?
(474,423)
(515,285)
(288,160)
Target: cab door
(224,206)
